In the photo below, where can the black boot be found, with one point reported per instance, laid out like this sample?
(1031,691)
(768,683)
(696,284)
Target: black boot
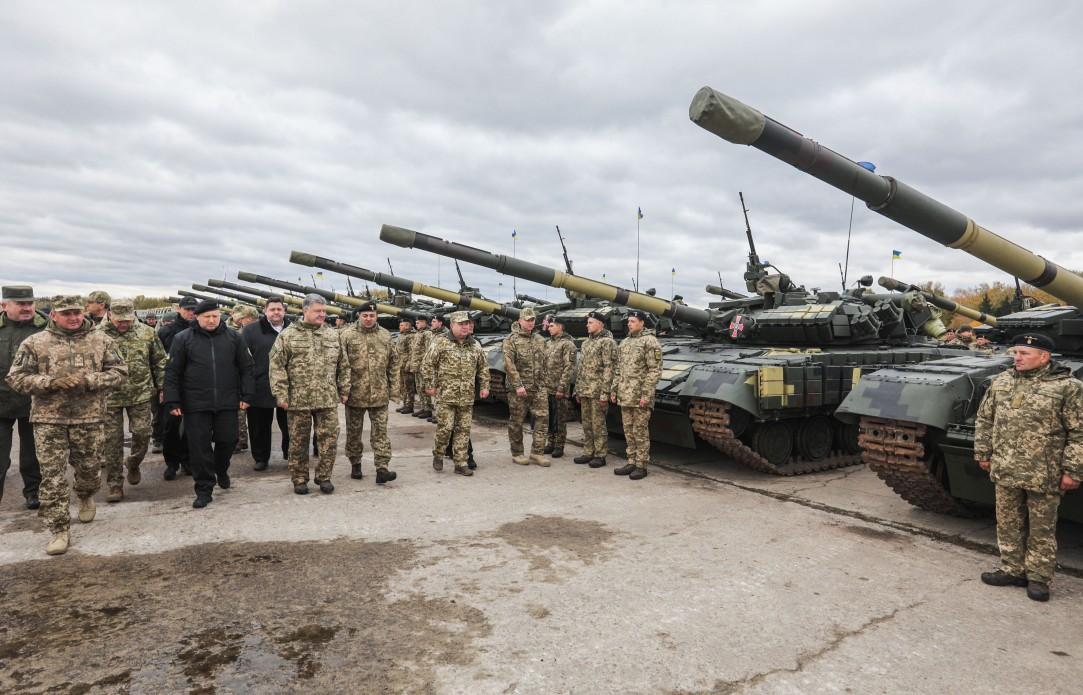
(260,466)
(438,463)
(638,474)
(224,481)
(558,452)
(597,462)
(385,476)
(170,473)
(32,501)
(626,469)
(326,487)
(585,458)
(202,501)
(355,471)
(1002,578)
(548,449)
(300,489)
(1038,591)
(407,410)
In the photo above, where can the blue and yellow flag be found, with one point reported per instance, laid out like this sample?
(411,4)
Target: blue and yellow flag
(896,255)
(673,271)
(639,212)
(514,233)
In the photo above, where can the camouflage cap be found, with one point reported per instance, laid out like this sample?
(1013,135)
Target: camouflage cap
(122,310)
(68,302)
(17,293)
(99,296)
(460,317)
(527,314)
(244,312)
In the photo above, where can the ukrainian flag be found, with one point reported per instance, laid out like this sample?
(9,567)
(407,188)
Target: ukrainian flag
(639,213)
(896,255)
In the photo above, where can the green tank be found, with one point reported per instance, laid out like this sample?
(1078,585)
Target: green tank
(916,422)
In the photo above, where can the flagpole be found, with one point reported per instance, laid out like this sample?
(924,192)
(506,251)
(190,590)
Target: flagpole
(639,217)
(514,290)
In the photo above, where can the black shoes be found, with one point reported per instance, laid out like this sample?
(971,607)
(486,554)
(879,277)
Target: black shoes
(260,466)
(585,458)
(224,481)
(326,487)
(356,474)
(1038,591)
(1002,578)
(626,469)
(471,463)
(432,419)
(438,463)
(558,452)
(300,489)
(597,462)
(384,476)
(170,473)
(638,474)
(32,502)
(423,414)
(202,501)
(406,410)
(547,450)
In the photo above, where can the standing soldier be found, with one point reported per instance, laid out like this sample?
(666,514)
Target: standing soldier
(67,370)
(374,368)
(560,352)
(259,336)
(145,358)
(592,389)
(458,365)
(1029,437)
(438,330)
(524,363)
(309,378)
(175,444)
(97,303)
(18,321)
(407,336)
(419,347)
(243,315)
(639,367)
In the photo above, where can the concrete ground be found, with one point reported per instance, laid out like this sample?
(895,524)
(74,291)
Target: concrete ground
(702,578)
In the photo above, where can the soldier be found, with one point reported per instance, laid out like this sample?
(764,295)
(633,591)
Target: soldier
(439,337)
(67,370)
(145,358)
(151,320)
(18,321)
(259,336)
(174,443)
(639,367)
(1029,437)
(983,344)
(418,349)
(458,363)
(437,329)
(949,338)
(208,379)
(559,372)
(524,363)
(592,389)
(97,303)
(374,367)
(407,336)
(309,377)
(243,315)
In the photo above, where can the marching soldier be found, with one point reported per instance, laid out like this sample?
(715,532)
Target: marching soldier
(18,321)
(309,378)
(639,367)
(374,368)
(1029,437)
(145,358)
(458,363)
(67,370)
(97,304)
(407,338)
(418,349)
(559,371)
(592,389)
(524,363)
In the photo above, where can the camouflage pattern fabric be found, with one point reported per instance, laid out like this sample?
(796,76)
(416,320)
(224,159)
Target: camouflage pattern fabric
(145,358)
(242,429)
(1030,428)
(524,360)
(373,363)
(596,365)
(456,367)
(355,428)
(409,392)
(639,367)
(559,364)
(637,434)
(58,446)
(533,403)
(1027,532)
(595,433)
(453,425)
(308,369)
(113,461)
(560,411)
(300,424)
(406,349)
(418,347)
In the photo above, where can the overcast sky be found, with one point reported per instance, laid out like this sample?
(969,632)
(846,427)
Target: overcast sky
(145,146)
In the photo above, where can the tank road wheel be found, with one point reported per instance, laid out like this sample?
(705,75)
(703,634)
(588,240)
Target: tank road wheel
(814,438)
(740,419)
(773,441)
(846,437)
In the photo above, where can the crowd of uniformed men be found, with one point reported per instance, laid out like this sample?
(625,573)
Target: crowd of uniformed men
(69,378)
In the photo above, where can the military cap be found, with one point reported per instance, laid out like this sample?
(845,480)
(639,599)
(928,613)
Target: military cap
(460,317)
(17,293)
(188,303)
(241,312)
(99,296)
(68,302)
(597,316)
(442,318)
(637,314)
(205,306)
(423,317)
(1034,340)
(168,316)
(527,314)
(122,310)
(555,318)
(403,318)
(367,306)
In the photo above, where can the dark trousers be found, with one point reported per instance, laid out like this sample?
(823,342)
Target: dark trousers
(157,415)
(212,436)
(259,432)
(174,443)
(28,460)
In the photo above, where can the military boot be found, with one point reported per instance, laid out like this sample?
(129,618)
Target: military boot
(356,473)
(432,419)
(260,466)
(116,494)
(201,501)
(540,460)
(300,488)
(87,510)
(438,463)
(585,458)
(548,449)
(155,447)
(1038,591)
(170,473)
(626,469)
(1002,578)
(558,452)
(597,462)
(520,459)
(327,487)
(638,474)
(406,410)
(59,544)
(385,476)
(423,414)
(32,501)
(134,474)
(463,470)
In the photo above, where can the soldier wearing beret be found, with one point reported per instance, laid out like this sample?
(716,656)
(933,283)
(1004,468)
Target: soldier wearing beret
(559,370)
(458,364)
(1029,437)
(438,329)
(524,369)
(97,304)
(418,348)
(18,321)
(593,387)
(639,367)
(405,345)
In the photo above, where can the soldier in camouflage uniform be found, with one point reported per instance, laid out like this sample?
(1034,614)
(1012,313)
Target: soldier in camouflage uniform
(97,304)
(438,330)
(418,349)
(309,377)
(242,316)
(559,373)
(374,368)
(639,367)
(1029,437)
(457,364)
(441,336)
(67,370)
(407,337)
(145,358)
(524,366)
(593,387)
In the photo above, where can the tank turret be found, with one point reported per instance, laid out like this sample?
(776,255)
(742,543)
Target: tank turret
(938,301)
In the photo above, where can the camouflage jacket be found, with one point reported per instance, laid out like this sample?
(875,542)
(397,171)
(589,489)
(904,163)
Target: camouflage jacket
(456,366)
(1030,428)
(596,366)
(559,368)
(145,358)
(12,334)
(524,359)
(438,340)
(55,352)
(374,365)
(639,367)
(307,367)
(418,347)
(406,349)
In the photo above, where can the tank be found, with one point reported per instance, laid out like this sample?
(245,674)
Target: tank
(760,376)
(916,422)
(938,301)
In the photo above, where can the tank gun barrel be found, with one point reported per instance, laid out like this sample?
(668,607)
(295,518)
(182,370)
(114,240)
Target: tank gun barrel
(741,124)
(938,301)
(530,298)
(723,292)
(326,294)
(542,275)
(208,298)
(404,285)
(287,299)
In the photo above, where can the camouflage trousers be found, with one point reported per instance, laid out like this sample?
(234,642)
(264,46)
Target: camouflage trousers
(139,422)
(242,429)
(408,390)
(1027,532)
(355,427)
(58,446)
(533,403)
(300,424)
(560,411)
(424,400)
(637,434)
(453,425)
(595,432)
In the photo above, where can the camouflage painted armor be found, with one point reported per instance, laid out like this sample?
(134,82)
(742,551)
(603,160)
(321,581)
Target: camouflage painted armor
(308,369)
(145,358)
(638,369)
(596,365)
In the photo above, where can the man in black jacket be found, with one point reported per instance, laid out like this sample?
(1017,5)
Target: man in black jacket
(170,430)
(259,337)
(18,321)
(208,378)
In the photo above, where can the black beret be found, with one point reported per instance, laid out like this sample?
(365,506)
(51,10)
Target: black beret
(597,316)
(423,317)
(367,306)
(439,317)
(1034,340)
(637,314)
(556,318)
(205,306)
(403,318)
(188,303)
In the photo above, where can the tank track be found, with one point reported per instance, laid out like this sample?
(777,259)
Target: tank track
(711,422)
(895,450)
